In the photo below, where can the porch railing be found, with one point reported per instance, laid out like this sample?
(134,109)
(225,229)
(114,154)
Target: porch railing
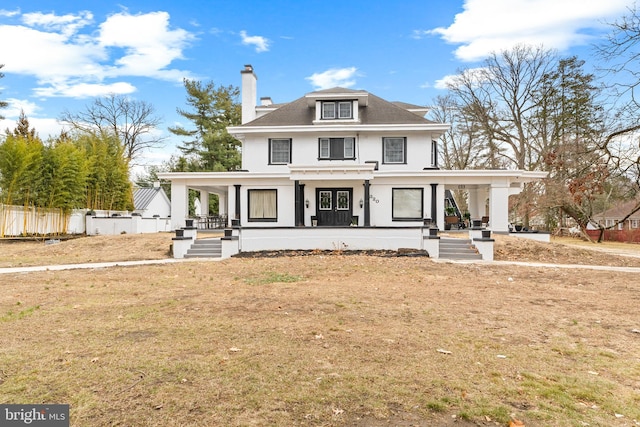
(211,222)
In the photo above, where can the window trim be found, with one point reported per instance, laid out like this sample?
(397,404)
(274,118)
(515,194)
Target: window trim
(271,140)
(261,219)
(393,204)
(337,113)
(384,150)
(342,155)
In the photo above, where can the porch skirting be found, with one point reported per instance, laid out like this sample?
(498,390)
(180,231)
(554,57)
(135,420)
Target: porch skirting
(255,239)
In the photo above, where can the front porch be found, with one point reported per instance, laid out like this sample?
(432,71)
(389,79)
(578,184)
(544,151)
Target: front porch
(256,239)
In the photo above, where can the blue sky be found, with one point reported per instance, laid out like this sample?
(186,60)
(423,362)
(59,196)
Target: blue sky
(61,55)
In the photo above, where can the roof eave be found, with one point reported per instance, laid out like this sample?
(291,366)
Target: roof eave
(431,127)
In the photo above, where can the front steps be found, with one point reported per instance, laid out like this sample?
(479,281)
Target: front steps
(205,248)
(458,249)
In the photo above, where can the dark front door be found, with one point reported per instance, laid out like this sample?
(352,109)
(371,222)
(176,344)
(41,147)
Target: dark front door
(334,206)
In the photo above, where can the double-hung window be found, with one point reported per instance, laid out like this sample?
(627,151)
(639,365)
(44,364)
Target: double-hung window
(394,150)
(332,110)
(279,151)
(337,148)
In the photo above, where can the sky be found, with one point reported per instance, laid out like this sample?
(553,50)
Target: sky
(60,56)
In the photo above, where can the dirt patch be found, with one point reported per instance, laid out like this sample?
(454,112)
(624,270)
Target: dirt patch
(87,249)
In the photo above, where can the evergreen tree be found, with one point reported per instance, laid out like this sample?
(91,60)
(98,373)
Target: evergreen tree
(208,146)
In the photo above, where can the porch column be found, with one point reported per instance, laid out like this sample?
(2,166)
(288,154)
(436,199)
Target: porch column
(367,211)
(179,204)
(298,197)
(499,207)
(222,204)
(439,200)
(237,203)
(434,206)
(474,202)
(223,208)
(204,203)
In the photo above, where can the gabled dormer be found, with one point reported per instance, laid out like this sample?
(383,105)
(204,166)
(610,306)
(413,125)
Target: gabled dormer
(337,105)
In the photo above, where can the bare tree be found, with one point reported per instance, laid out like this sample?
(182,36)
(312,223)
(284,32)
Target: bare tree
(501,98)
(462,145)
(132,122)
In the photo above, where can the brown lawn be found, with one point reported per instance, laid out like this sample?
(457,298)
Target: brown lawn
(321,340)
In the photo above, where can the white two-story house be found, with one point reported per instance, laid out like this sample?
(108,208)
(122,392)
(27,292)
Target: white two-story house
(314,168)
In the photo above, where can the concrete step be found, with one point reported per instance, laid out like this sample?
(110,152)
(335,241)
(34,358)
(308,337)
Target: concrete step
(205,248)
(461,249)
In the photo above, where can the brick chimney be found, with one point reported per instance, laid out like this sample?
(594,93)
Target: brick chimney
(249,94)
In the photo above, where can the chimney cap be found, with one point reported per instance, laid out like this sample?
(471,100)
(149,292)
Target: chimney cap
(248,69)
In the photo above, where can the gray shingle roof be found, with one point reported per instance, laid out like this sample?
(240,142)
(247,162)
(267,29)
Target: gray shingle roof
(377,112)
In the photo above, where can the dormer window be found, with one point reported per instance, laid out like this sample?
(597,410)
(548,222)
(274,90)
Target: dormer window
(332,110)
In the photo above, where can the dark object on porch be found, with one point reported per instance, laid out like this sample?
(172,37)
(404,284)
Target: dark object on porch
(314,221)
(354,221)
(485,221)
(451,222)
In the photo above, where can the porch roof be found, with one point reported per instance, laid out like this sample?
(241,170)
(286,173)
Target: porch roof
(332,172)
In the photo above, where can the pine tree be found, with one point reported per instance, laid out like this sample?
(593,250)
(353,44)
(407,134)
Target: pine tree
(208,146)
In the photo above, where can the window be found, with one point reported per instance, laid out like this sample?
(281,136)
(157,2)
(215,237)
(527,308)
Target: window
(263,205)
(434,154)
(394,150)
(407,204)
(337,148)
(634,223)
(337,110)
(279,151)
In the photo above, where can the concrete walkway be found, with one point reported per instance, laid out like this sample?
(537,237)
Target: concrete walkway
(547,265)
(95,265)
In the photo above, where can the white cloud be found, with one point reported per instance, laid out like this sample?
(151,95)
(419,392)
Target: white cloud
(77,60)
(16,105)
(342,77)
(9,13)
(84,90)
(486,26)
(149,44)
(66,24)
(261,44)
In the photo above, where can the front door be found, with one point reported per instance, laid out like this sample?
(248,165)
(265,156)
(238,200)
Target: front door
(334,206)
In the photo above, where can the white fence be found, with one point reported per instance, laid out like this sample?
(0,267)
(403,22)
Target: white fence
(126,224)
(29,221)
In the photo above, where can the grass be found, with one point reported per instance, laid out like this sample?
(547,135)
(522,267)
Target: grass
(326,340)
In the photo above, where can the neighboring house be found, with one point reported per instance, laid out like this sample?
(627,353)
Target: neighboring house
(612,216)
(337,158)
(151,202)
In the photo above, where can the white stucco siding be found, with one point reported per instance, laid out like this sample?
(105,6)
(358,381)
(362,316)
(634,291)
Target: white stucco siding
(381,201)
(159,205)
(285,204)
(368,147)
